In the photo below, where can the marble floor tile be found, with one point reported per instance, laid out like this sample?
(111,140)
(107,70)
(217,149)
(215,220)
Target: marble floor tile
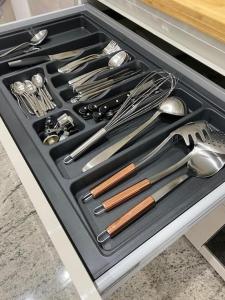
(179,273)
(30,267)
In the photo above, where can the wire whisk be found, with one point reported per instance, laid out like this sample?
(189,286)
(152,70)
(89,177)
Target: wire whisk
(138,102)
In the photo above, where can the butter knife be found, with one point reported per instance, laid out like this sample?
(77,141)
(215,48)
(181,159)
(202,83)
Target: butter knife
(29,61)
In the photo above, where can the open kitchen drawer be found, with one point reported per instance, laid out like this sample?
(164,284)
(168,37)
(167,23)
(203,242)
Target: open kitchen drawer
(56,189)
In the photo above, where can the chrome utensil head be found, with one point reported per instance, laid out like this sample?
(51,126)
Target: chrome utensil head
(18,87)
(111,48)
(118,59)
(38,80)
(204,163)
(173,106)
(30,88)
(39,37)
(216,143)
(193,131)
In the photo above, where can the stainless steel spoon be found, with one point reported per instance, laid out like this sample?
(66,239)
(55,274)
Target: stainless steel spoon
(115,61)
(38,81)
(201,164)
(171,106)
(37,39)
(31,90)
(19,88)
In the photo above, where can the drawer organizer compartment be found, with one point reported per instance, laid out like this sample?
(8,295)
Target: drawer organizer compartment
(50,119)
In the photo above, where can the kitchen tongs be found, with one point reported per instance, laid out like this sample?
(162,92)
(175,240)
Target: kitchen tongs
(189,132)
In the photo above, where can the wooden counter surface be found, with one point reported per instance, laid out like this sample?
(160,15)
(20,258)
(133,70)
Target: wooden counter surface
(207,16)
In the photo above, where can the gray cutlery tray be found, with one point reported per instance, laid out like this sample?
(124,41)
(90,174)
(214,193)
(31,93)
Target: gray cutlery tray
(64,185)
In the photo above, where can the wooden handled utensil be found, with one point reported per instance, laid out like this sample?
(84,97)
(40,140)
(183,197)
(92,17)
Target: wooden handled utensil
(201,163)
(138,187)
(138,210)
(188,132)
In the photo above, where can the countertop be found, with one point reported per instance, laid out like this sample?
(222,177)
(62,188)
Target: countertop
(206,16)
(197,44)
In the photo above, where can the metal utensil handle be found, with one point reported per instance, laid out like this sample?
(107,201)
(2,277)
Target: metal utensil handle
(67,54)
(88,76)
(108,152)
(147,157)
(91,94)
(97,87)
(15,48)
(75,64)
(83,147)
(74,80)
(171,169)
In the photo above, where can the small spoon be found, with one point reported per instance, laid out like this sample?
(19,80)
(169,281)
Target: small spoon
(31,90)
(19,89)
(201,164)
(37,39)
(171,106)
(38,81)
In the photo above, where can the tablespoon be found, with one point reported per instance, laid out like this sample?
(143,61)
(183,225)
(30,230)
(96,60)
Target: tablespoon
(171,106)
(37,39)
(200,164)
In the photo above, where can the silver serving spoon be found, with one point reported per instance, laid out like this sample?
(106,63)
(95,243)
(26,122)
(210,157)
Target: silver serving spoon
(171,106)
(201,164)
(115,61)
(37,39)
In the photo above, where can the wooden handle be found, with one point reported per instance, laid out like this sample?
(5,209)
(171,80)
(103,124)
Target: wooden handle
(130,216)
(126,194)
(112,181)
